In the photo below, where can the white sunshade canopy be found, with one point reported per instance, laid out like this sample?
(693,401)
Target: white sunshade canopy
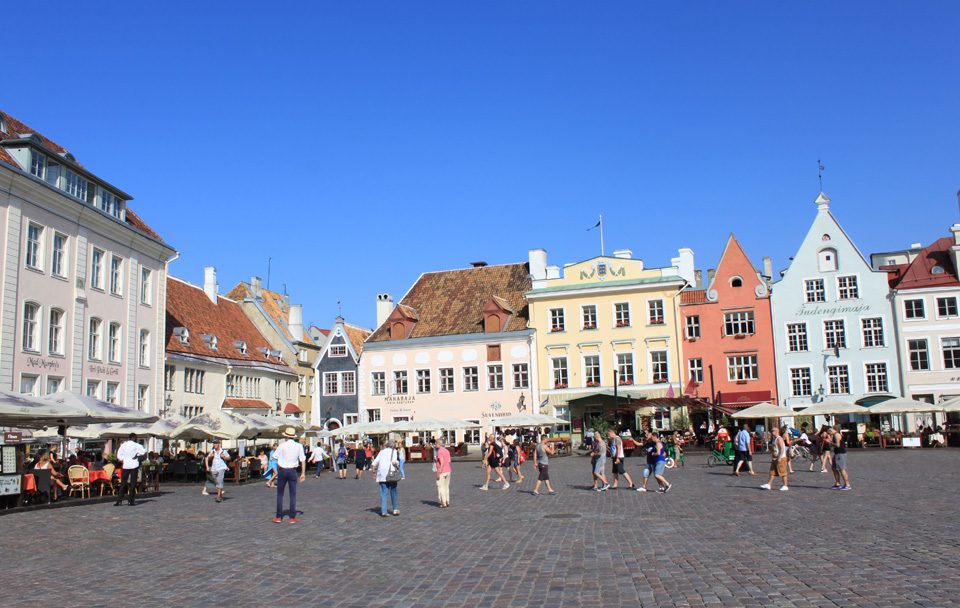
(62,409)
(902,405)
(952,405)
(764,410)
(522,420)
(831,408)
(219,424)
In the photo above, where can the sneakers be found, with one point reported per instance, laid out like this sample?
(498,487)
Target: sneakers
(484,487)
(845,488)
(536,493)
(784,488)
(667,488)
(836,486)
(506,486)
(765,486)
(396,512)
(641,489)
(605,487)
(277,520)
(293,520)
(551,493)
(204,492)
(661,490)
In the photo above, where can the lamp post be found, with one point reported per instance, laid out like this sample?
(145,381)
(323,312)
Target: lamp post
(167,404)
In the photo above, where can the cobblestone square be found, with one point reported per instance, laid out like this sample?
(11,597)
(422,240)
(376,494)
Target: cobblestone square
(714,540)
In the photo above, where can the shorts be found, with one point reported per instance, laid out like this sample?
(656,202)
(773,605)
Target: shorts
(618,468)
(744,456)
(779,467)
(218,478)
(544,472)
(598,466)
(653,469)
(840,462)
(493,462)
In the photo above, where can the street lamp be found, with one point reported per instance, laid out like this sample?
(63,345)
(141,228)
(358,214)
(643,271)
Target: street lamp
(167,403)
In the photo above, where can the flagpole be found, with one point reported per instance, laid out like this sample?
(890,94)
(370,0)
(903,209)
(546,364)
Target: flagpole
(601,235)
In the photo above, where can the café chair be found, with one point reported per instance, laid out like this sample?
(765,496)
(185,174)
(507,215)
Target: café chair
(79,477)
(108,469)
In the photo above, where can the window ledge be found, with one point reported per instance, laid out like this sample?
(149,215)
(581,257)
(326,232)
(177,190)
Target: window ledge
(33,269)
(60,277)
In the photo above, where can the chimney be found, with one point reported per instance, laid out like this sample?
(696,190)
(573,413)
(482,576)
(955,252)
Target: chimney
(699,275)
(710,274)
(553,272)
(538,264)
(767,267)
(625,254)
(384,307)
(684,264)
(295,322)
(256,286)
(210,286)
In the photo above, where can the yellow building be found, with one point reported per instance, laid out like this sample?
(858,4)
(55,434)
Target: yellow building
(607,326)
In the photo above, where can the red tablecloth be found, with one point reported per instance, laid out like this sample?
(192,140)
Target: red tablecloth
(99,476)
(29,483)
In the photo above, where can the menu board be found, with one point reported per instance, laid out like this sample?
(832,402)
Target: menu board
(9,484)
(9,464)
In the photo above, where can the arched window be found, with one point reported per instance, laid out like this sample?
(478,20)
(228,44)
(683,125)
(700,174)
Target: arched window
(827,260)
(398,331)
(491,324)
(736,282)
(31,326)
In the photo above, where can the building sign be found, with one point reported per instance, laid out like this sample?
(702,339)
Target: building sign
(817,311)
(12,437)
(103,370)
(9,484)
(601,270)
(400,399)
(496,411)
(40,363)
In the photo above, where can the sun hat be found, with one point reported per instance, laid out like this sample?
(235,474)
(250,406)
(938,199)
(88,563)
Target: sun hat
(289,432)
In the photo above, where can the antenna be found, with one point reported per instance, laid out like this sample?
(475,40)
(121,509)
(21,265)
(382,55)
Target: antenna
(269,262)
(820,169)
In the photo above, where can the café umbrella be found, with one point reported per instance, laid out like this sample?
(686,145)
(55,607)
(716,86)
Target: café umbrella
(95,410)
(901,405)
(526,420)
(218,424)
(833,408)
(763,410)
(61,410)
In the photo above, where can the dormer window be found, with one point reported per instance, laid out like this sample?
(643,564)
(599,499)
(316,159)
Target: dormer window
(827,260)
(401,322)
(211,341)
(496,312)
(241,346)
(110,203)
(339,350)
(736,282)
(3,125)
(183,334)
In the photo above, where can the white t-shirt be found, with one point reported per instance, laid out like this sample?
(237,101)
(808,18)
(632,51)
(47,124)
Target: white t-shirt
(217,462)
(387,458)
(318,454)
(289,454)
(128,453)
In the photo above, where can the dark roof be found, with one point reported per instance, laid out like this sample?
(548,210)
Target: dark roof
(188,306)
(450,302)
(919,273)
(15,129)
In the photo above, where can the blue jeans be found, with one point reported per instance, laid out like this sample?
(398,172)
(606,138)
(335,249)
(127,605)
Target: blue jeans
(287,477)
(402,474)
(391,488)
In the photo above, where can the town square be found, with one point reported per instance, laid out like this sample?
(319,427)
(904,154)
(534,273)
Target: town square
(451,304)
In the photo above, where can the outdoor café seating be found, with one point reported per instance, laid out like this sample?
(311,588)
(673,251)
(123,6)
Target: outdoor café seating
(79,477)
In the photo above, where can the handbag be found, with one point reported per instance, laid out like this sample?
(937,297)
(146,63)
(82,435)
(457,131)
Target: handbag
(393,474)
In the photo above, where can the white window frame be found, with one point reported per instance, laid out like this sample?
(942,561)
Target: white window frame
(956,310)
(116,275)
(560,372)
(665,363)
(867,377)
(115,397)
(691,329)
(622,317)
(848,291)
(586,324)
(96,268)
(865,331)
(143,397)
(926,353)
(592,374)
(744,320)
(146,286)
(114,342)
(695,369)
(447,379)
(59,257)
(826,334)
(743,367)
(923,309)
(36,384)
(348,383)
(378,383)
(337,350)
(31,327)
(424,381)
(943,352)
(95,339)
(558,320)
(401,379)
(96,384)
(143,359)
(651,319)
(840,366)
(494,376)
(521,376)
(795,377)
(471,381)
(814,283)
(797,337)
(54,382)
(626,370)
(331,383)
(55,333)
(33,251)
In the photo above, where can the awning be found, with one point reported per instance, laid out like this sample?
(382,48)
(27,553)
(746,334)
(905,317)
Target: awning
(246,404)
(291,408)
(738,400)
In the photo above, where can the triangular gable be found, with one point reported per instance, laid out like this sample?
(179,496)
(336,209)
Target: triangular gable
(337,331)
(734,262)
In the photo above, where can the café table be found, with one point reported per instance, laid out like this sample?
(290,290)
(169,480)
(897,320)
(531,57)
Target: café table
(29,483)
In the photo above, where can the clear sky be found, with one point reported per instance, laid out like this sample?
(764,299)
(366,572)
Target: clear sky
(360,144)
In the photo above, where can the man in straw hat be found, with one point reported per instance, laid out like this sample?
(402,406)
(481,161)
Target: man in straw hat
(289,456)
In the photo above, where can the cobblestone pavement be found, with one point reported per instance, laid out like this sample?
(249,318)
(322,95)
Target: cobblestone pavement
(714,540)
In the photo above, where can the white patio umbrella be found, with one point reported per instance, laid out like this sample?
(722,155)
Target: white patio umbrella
(273,426)
(953,405)
(901,405)
(61,409)
(96,411)
(162,428)
(832,408)
(523,420)
(763,410)
(218,424)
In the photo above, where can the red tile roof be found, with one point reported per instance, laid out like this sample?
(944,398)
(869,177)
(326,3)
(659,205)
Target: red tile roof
(920,273)
(246,404)
(450,302)
(188,306)
(693,296)
(15,129)
(291,409)
(357,336)
(274,304)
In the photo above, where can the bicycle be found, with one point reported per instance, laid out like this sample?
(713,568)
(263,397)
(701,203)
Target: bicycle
(672,460)
(724,456)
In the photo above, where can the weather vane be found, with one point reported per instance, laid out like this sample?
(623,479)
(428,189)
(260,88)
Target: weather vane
(820,169)
(339,309)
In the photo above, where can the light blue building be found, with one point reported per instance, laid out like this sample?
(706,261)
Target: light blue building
(832,322)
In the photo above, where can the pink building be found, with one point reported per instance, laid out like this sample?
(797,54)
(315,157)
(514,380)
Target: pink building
(84,279)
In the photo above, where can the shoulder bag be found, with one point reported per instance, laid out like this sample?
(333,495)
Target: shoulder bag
(393,473)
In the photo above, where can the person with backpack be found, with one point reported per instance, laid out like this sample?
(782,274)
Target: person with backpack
(616,454)
(517,457)
(386,472)
(598,460)
(541,462)
(494,459)
(340,462)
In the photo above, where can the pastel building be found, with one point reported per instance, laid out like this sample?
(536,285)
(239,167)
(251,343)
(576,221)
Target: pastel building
(832,323)
(84,279)
(728,334)
(457,345)
(926,303)
(281,323)
(217,358)
(603,323)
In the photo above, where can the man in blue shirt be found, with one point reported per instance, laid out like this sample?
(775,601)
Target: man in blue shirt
(743,445)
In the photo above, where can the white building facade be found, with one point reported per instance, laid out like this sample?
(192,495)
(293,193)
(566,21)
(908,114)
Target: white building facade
(84,279)
(832,323)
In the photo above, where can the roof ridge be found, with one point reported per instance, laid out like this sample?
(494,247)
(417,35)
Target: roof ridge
(200,287)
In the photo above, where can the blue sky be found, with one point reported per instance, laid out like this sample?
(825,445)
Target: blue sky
(359,145)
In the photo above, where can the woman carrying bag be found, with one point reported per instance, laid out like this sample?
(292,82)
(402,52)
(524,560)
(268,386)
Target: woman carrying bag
(386,469)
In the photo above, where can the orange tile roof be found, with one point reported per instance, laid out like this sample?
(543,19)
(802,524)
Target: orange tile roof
(357,336)
(15,129)
(450,302)
(693,296)
(246,403)
(274,304)
(188,306)
(290,408)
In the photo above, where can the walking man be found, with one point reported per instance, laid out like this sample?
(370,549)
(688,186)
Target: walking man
(129,456)
(778,464)
(442,461)
(744,450)
(840,460)
(216,465)
(616,454)
(317,457)
(541,462)
(289,456)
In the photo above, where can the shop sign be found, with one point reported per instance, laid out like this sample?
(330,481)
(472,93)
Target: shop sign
(400,399)
(103,370)
(819,311)
(9,484)
(12,437)
(495,411)
(39,363)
